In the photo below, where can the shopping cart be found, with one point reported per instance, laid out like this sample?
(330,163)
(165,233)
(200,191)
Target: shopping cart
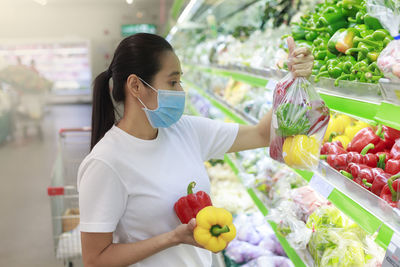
(74,145)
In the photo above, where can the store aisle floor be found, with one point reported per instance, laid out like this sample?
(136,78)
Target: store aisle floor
(25,171)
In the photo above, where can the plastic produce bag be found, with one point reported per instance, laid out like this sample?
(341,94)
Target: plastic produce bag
(388,13)
(299,121)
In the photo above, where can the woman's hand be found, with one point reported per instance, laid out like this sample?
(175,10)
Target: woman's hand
(300,60)
(184,233)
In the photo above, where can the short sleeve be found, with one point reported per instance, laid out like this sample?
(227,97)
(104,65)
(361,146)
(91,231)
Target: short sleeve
(102,197)
(215,137)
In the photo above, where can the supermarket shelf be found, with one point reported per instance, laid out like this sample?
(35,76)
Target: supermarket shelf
(226,108)
(369,211)
(291,253)
(370,102)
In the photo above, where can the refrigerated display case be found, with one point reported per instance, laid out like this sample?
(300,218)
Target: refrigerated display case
(204,39)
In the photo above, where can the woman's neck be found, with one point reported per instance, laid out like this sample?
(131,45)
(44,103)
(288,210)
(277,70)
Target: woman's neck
(135,123)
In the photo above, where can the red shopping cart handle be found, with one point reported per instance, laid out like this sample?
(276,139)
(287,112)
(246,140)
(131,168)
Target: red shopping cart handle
(55,191)
(82,129)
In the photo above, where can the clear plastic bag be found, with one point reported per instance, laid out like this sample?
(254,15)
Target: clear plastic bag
(299,121)
(388,13)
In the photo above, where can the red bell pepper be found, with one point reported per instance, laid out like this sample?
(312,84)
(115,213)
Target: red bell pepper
(338,162)
(391,191)
(332,148)
(380,180)
(369,159)
(355,169)
(188,206)
(363,138)
(280,91)
(275,148)
(395,151)
(390,135)
(354,157)
(392,166)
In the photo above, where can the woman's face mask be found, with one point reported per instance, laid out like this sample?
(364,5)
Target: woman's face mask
(171,105)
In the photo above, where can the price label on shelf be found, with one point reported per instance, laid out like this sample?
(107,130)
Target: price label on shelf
(271,84)
(321,185)
(392,257)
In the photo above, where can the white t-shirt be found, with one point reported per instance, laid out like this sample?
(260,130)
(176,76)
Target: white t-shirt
(129,186)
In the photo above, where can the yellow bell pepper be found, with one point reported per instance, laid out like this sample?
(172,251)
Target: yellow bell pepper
(353,129)
(344,139)
(337,124)
(214,228)
(301,151)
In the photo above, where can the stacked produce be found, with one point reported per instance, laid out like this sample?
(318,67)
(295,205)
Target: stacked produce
(227,191)
(255,244)
(345,40)
(337,241)
(371,158)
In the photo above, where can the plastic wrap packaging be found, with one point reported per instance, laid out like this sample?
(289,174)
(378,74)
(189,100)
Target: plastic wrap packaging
(388,13)
(307,200)
(299,121)
(337,241)
(255,239)
(293,229)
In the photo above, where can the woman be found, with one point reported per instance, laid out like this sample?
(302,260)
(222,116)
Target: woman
(140,165)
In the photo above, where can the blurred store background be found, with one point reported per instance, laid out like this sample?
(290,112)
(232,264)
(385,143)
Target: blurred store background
(50,52)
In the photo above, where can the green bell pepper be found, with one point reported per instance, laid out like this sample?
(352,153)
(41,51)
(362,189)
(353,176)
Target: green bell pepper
(298,33)
(319,54)
(320,42)
(372,23)
(311,35)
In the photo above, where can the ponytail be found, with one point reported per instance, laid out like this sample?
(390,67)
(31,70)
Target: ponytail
(103,117)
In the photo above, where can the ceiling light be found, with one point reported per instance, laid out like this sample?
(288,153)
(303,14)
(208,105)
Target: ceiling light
(129,2)
(41,2)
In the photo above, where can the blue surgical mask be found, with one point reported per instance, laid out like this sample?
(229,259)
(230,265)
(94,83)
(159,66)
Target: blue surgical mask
(171,105)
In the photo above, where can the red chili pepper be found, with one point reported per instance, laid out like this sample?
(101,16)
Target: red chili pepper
(275,148)
(390,135)
(188,206)
(391,191)
(332,148)
(338,162)
(395,151)
(363,138)
(392,166)
(380,180)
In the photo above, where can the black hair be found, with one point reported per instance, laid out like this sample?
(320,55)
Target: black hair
(137,54)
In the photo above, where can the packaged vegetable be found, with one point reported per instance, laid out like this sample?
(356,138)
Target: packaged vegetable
(388,14)
(299,121)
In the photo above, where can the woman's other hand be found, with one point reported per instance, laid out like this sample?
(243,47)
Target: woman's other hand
(300,60)
(184,233)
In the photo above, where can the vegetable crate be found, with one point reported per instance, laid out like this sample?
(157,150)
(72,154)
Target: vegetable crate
(74,145)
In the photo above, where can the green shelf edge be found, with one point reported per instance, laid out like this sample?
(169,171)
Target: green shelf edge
(236,75)
(384,112)
(290,252)
(176,8)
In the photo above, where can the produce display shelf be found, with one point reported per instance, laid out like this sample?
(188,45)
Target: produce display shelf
(291,253)
(228,110)
(370,212)
(346,99)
